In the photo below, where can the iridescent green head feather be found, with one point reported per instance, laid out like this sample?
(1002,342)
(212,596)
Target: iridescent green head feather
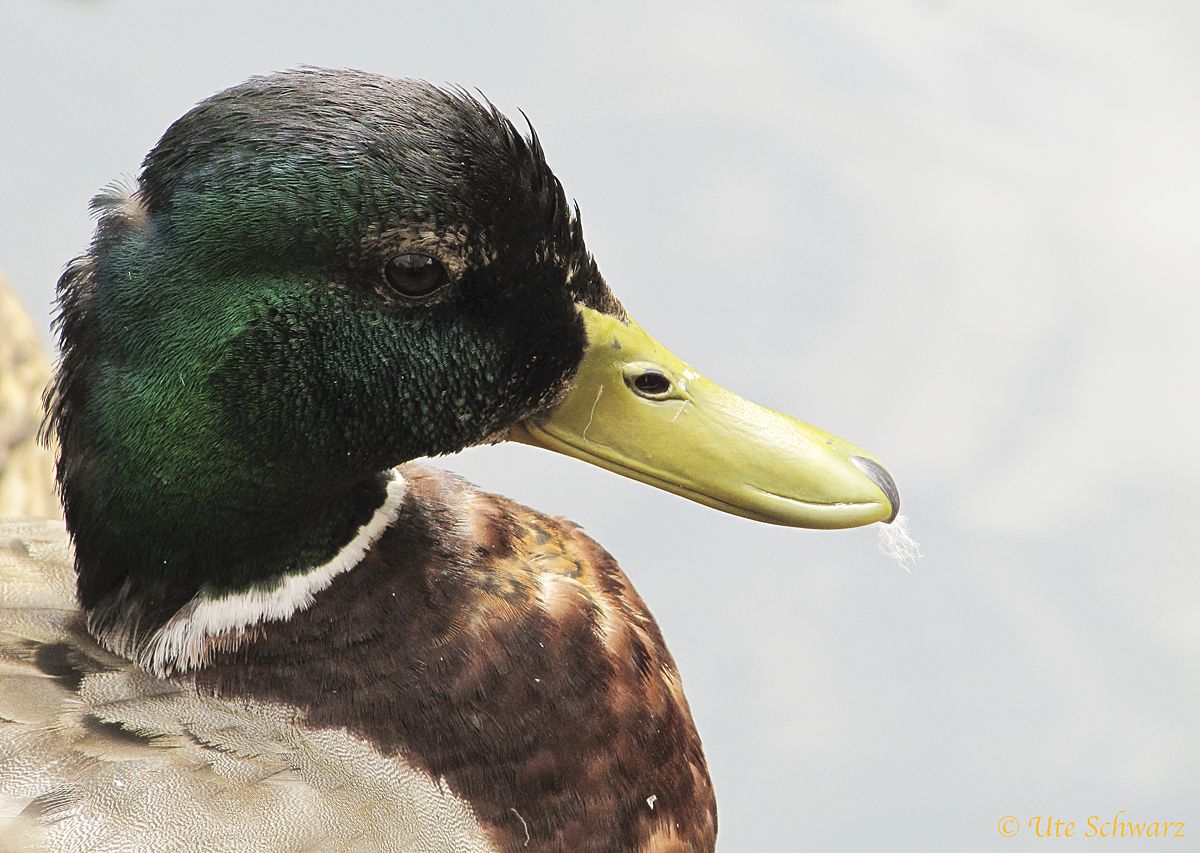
(236,357)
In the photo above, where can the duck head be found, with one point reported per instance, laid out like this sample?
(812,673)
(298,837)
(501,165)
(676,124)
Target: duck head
(321,274)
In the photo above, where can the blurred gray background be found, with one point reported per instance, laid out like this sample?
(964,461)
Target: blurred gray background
(963,235)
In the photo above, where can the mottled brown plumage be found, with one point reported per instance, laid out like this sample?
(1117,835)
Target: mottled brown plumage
(480,649)
(505,651)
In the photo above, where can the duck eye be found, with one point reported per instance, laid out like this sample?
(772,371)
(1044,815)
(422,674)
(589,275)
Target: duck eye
(415,275)
(652,383)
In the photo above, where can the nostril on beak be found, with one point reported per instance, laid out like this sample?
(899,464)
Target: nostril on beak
(880,477)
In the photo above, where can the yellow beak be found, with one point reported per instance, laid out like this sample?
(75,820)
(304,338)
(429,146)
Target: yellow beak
(636,409)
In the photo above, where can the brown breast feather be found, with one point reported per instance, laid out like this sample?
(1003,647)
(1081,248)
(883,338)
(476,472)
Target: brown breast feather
(507,652)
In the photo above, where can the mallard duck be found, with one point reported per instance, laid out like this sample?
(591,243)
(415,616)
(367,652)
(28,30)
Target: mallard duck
(270,628)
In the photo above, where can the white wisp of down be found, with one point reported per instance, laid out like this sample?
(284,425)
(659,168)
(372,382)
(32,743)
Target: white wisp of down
(896,541)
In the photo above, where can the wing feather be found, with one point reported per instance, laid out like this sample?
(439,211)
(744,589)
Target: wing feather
(97,755)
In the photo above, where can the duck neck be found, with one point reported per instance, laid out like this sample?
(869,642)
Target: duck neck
(167,581)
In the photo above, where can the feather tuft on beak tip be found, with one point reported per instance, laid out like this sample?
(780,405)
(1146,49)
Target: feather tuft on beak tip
(897,542)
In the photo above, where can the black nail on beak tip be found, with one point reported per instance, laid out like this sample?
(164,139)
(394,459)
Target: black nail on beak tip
(880,477)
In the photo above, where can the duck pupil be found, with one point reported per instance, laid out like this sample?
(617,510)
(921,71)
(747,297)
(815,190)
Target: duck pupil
(415,275)
(652,383)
